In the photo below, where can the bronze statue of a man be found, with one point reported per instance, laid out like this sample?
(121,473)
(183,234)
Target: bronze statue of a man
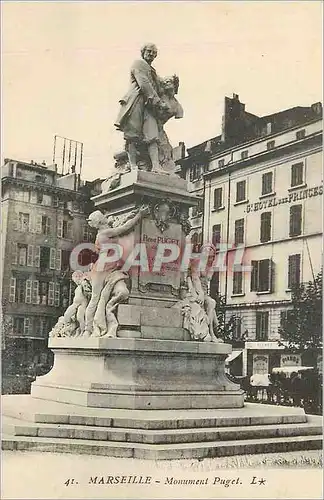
(141,109)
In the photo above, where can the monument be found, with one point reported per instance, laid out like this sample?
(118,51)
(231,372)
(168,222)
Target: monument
(137,357)
(141,336)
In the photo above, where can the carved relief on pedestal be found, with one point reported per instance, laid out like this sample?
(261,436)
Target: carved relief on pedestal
(163,212)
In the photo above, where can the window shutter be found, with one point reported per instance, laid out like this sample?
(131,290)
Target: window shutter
(38,224)
(28,291)
(14,253)
(58,260)
(70,230)
(33,197)
(27,326)
(37,256)
(15,221)
(35,297)
(57,295)
(12,290)
(51,293)
(52,258)
(293,270)
(30,255)
(271,276)
(60,227)
(295,220)
(254,275)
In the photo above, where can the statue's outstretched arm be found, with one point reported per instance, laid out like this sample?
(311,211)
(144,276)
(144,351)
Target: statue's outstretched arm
(112,232)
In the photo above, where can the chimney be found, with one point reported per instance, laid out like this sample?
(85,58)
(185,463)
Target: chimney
(233,122)
(317,108)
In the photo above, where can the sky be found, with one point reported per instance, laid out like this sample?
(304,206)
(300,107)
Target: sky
(65,65)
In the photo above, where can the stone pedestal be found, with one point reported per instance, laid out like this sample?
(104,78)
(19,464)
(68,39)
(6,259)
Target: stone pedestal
(155,190)
(152,364)
(139,374)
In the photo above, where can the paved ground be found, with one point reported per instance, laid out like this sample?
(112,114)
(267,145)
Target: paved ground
(34,475)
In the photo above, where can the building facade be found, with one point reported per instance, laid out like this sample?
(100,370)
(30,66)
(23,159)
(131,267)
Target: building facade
(43,219)
(261,191)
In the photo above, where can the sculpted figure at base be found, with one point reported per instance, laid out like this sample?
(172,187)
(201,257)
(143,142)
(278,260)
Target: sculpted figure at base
(109,285)
(72,324)
(198,309)
(146,107)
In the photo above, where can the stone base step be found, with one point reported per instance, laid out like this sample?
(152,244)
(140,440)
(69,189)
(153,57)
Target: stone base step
(165,451)
(16,427)
(31,424)
(29,409)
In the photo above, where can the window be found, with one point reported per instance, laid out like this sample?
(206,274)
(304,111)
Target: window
(35,292)
(197,210)
(44,258)
(87,234)
(239,232)
(46,224)
(39,197)
(237,330)
(22,254)
(262,325)
(218,198)
(267,183)
(271,144)
(40,327)
(300,134)
(21,291)
(295,220)
(57,295)
(265,227)
(221,163)
(244,154)
(240,191)
(237,282)
(65,294)
(37,256)
(297,174)
(214,285)
(293,270)
(216,234)
(195,172)
(18,326)
(261,275)
(196,242)
(43,292)
(51,296)
(66,260)
(286,315)
(23,222)
(55,201)
(67,229)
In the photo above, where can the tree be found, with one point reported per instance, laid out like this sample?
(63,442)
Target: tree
(226,329)
(302,326)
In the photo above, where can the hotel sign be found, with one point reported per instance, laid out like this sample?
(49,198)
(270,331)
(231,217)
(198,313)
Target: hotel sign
(301,194)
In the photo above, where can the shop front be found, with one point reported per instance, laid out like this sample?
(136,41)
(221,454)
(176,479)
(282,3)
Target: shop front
(261,357)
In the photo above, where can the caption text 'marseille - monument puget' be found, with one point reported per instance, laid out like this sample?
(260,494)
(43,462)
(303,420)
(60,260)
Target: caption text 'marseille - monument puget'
(138,365)
(135,337)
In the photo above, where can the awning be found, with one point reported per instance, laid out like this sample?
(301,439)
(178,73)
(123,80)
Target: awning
(231,357)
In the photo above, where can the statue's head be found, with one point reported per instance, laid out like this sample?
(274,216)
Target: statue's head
(96,219)
(149,52)
(77,277)
(171,84)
